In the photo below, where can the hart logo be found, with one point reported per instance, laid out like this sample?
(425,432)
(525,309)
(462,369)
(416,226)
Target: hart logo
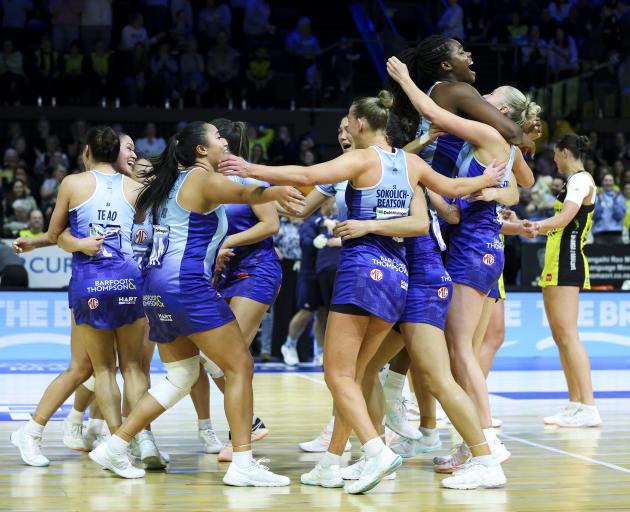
(443,292)
(141,236)
(127,300)
(92,303)
(376,274)
(488,259)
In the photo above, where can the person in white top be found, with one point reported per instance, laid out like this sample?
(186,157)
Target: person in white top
(134,33)
(150,144)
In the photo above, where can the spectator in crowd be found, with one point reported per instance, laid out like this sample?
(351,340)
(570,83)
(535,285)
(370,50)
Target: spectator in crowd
(66,20)
(77,142)
(517,29)
(283,150)
(12,78)
(151,144)
(18,220)
(259,75)
(619,151)
(214,17)
(7,173)
(12,271)
(43,132)
(19,190)
(262,136)
(476,16)
(134,33)
(35,225)
(257,156)
(626,193)
(304,47)
(452,21)
(14,18)
(45,69)
(610,211)
(342,66)
(51,156)
(534,57)
(96,23)
(182,10)
(136,75)
(49,189)
(562,55)
(164,69)
(100,69)
(256,26)
(193,75)
(547,25)
(623,75)
(73,85)
(223,70)
(180,32)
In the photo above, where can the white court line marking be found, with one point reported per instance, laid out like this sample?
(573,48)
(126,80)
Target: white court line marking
(308,377)
(562,452)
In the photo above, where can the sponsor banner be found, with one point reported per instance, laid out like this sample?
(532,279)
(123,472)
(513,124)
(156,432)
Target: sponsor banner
(49,267)
(608,264)
(35,326)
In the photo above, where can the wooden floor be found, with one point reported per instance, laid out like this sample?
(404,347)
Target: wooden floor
(551,469)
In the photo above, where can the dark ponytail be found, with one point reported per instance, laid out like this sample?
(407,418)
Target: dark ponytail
(181,150)
(424,64)
(578,145)
(104,144)
(235,132)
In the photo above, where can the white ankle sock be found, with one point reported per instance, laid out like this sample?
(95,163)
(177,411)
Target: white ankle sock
(243,459)
(393,386)
(329,459)
(586,407)
(205,424)
(487,460)
(490,434)
(75,416)
(33,428)
(373,447)
(96,425)
(428,432)
(117,444)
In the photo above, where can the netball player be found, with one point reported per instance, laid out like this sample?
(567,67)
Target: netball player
(371,282)
(103,293)
(565,272)
(249,277)
(185,312)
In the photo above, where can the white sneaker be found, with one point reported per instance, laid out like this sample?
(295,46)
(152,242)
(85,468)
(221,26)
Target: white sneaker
(474,475)
(321,443)
(73,436)
(149,453)
(375,469)
(499,451)
(30,447)
(255,475)
(211,443)
(290,355)
(92,438)
(118,463)
(396,420)
(567,410)
(353,471)
(497,423)
(324,477)
(408,448)
(459,456)
(583,417)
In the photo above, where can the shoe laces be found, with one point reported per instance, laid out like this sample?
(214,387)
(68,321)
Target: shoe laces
(261,463)
(398,407)
(76,429)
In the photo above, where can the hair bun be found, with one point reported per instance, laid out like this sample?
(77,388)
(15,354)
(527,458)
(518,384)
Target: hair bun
(583,143)
(385,99)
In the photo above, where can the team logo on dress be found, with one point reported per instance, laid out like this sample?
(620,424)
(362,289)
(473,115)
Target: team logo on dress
(488,259)
(165,317)
(376,274)
(548,277)
(443,292)
(141,236)
(92,303)
(125,301)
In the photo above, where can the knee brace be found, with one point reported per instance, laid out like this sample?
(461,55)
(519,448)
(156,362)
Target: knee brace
(213,369)
(90,383)
(180,377)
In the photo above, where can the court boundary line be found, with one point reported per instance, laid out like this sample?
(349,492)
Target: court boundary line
(524,441)
(563,452)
